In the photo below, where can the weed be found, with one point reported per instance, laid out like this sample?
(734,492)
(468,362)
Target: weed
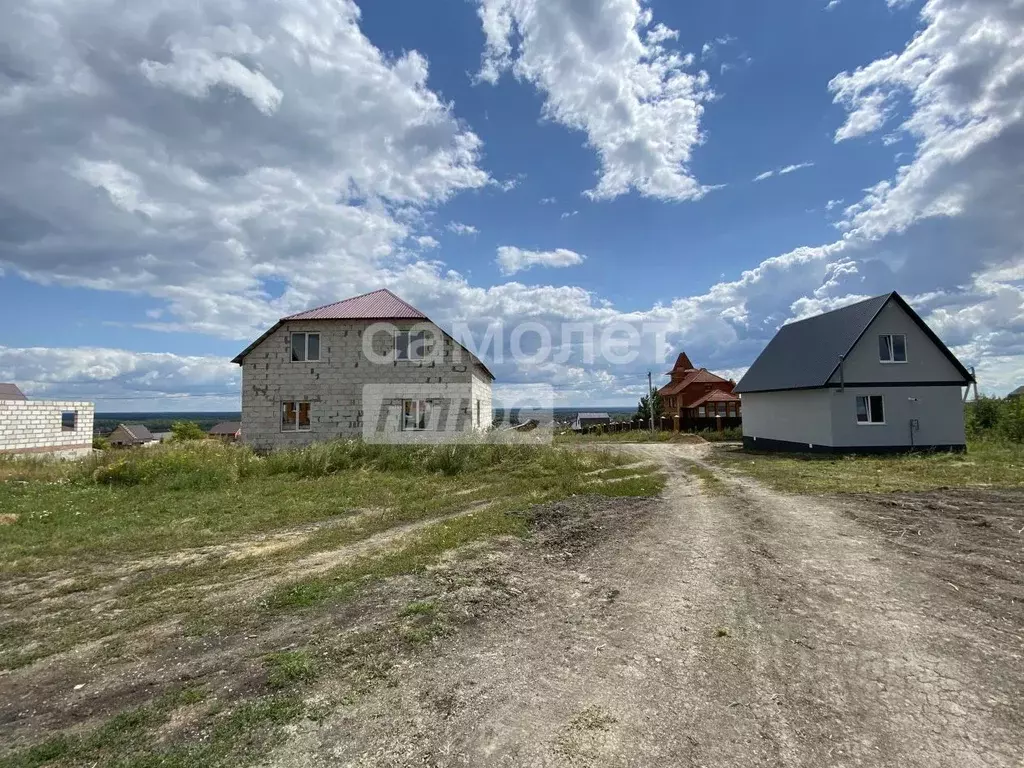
(419,608)
(722,632)
(288,668)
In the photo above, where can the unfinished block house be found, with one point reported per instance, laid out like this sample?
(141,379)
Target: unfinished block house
(372,366)
(58,428)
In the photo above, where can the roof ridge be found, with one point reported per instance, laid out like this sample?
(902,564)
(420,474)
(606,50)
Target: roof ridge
(840,309)
(388,291)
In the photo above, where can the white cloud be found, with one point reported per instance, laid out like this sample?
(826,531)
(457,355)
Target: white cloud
(193,156)
(603,70)
(782,171)
(459,228)
(113,182)
(511,259)
(426,242)
(118,379)
(568,214)
(548,200)
(833,204)
(711,48)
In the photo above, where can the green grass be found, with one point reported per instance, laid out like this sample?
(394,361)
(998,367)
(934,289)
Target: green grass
(288,668)
(83,529)
(986,464)
(710,482)
(413,557)
(199,494)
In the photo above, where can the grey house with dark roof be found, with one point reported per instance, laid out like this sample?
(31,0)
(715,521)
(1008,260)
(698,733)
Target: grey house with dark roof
(127,435)
(869,377)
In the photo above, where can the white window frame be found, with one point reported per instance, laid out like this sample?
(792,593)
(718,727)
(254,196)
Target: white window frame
(869,422)
(296,407)
(305,347)
(892,348)
(423,350)
(422,410)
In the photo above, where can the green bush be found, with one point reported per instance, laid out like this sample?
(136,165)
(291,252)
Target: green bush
(182,431)
(991,419)
(100,444)
(1011,420)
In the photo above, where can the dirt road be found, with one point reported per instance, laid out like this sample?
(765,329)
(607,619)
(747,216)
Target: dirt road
(737,627)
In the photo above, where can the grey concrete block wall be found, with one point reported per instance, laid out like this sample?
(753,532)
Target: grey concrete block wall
(33,427)
(334,385)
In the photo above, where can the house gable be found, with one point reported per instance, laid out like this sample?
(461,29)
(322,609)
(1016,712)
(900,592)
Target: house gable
(928,360)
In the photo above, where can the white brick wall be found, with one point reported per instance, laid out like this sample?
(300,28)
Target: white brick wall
(33,427)
(334,385)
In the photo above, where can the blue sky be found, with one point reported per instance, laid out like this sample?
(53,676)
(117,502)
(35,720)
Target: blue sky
(181,179)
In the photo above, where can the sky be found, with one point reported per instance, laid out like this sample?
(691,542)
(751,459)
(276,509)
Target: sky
(176,177)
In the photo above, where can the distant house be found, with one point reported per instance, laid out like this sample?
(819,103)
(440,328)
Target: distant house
(227,430)
(58,428)
(696,393)
(11,392)
(372,366)
(127,435)
(584,420)
(869,377)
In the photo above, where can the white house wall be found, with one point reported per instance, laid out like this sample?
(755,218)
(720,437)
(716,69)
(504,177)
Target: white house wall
(795,416)
(939,412)
(33,427)
(925,361)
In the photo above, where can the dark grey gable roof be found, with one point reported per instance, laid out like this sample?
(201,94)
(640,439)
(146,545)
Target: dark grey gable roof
(138,432)
(805,354)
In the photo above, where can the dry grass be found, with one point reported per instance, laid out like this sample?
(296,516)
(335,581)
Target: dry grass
(985,465)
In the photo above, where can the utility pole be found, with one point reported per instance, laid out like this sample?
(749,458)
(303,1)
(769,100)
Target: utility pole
(650,399)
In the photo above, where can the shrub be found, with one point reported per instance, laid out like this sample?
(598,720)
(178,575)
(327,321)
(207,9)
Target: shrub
(182,431)
(100,444)
(1011,420)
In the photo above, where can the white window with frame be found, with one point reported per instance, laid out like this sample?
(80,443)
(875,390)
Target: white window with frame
(305,347)
(892,348)
(412,345)
(295,416)
(870,409)
(415,415)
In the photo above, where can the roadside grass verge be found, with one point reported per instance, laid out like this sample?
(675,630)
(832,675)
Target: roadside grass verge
(126,559)
(986,464)
(158,551)
(184,496)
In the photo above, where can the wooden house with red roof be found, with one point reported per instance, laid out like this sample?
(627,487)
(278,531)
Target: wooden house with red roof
(696,393)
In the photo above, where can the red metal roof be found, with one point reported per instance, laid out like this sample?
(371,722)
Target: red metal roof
(377,305)
(715,396)
(381,304)
(694,376)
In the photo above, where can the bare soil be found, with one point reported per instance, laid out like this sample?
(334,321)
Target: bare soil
(723,624)
(741,628)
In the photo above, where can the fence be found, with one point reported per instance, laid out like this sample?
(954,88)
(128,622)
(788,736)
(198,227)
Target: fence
(668,424)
